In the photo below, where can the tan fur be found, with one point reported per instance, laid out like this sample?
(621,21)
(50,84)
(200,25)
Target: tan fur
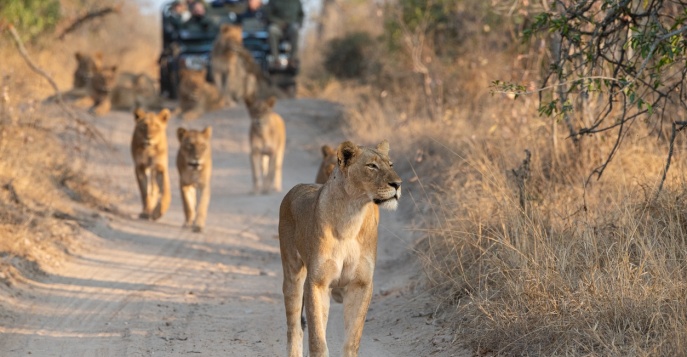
(149,151)
(267,142)
(135,90)
(328,240)
(86,67)
(196,95)
(194,162)
(328,164)
(232,65)
(100,89)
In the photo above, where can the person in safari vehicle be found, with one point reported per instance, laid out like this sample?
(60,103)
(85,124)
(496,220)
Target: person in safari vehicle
(285,18)
(199,21)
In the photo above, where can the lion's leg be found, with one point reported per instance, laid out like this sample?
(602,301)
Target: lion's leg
(256,167)
(188,196)
(294,276)
(278,159)
(165,196)
(103,107)
(142,181)
(269,175)
(317,311)
(356,302)
(202,208)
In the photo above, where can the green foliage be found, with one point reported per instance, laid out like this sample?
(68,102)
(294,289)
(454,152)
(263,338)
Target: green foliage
(348,57)
(631,54)
(31,17)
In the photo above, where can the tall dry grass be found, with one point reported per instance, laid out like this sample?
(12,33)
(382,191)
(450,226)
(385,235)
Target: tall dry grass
(544,261)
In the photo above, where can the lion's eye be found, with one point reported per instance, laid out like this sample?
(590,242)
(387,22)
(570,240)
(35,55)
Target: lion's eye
(391,164)
(373,166)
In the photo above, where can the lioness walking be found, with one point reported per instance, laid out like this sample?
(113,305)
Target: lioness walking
(267,143)
(149,151)
(328,240)
(194,162)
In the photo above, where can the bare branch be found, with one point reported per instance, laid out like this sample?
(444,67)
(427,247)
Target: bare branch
(90,16)
(90,129)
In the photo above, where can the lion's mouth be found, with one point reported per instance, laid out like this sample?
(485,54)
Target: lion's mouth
(194,165)
(380,201)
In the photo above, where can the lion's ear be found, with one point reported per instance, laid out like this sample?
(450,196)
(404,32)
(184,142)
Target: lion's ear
(164,115)
(327,150)
(383,148)
(224,28)
(180,133)
(78,56)
(139,114)
(207,132)
(346,153)
(271,101)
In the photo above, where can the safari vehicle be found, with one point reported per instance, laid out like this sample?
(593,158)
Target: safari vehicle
(187,47)
(184,48)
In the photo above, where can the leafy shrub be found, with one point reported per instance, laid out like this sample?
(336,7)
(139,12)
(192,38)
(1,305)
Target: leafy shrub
(31,17)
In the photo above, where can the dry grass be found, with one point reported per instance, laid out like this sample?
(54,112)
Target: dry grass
(585,268)
(44,151)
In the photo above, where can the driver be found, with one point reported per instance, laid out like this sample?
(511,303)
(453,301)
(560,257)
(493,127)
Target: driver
(285,18)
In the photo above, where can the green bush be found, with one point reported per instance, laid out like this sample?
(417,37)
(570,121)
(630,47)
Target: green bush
(348,57)
(31,17)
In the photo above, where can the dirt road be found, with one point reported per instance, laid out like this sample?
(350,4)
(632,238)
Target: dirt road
(142,288)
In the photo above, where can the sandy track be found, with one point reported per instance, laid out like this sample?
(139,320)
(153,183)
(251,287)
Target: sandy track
(152,289)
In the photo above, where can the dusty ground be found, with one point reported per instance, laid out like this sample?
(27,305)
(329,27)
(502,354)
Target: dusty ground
(138,288)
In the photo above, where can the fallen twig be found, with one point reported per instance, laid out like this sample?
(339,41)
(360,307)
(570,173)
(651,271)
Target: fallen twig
(90,16)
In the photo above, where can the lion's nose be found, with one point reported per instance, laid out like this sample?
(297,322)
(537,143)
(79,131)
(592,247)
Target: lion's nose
(395,184)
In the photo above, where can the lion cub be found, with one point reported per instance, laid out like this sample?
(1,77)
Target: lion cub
(328,164)
(149,151)
(267,142)
(196,95)
(194,161)
(328,241)
(232,65)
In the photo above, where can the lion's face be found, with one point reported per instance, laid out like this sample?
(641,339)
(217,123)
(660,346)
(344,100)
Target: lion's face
(86,67)
(195,147)
(150,127)
(370,172)
(258,109)
(231,33)
(103,81)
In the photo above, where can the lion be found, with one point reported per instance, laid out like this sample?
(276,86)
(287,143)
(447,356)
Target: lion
(196,95)
(86,67)
(135,90)
(194,161)
(267,143)
(149,151)
(328,241)
(233,67)
(328,164)
(100,88)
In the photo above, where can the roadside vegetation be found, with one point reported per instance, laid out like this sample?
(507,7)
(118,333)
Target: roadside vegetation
(45,149)
(542,155)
